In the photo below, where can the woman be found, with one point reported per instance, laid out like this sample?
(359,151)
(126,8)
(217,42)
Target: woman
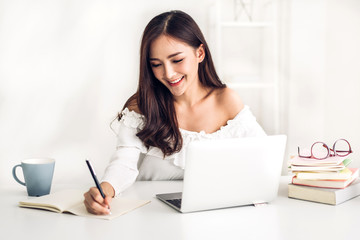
(179,99)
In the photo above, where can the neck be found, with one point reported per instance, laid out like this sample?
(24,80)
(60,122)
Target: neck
(194,95)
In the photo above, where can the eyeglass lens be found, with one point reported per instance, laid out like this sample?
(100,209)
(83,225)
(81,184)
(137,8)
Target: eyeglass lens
(320,150)
(342,147)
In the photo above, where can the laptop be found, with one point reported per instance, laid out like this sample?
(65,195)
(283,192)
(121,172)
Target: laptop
(229,173)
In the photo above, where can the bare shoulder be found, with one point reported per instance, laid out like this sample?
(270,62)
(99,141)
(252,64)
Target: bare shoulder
(229,101)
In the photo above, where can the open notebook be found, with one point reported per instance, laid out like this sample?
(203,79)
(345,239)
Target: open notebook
(71,201)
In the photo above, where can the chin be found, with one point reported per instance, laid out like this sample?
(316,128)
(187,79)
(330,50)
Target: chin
(177,93)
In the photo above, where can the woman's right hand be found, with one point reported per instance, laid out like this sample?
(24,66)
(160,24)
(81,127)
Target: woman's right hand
(95,203)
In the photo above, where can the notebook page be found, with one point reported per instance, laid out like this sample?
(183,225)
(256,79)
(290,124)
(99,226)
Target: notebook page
(57,202)
(119,206)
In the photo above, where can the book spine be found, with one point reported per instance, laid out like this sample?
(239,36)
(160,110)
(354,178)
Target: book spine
(309,194)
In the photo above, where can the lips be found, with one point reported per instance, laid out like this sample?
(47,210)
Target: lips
(176,81)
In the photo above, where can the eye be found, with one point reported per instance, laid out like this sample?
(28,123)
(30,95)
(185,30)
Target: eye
(177,61)
(155,65)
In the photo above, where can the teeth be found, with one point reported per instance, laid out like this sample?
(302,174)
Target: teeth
(176,81)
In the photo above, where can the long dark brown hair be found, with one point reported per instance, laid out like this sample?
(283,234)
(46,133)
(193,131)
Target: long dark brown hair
(152,98)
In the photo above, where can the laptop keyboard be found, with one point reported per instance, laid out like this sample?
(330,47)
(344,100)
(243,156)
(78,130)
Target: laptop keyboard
(175,202)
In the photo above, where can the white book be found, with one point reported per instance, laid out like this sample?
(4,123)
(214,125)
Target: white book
(330,161)
(344,174)
(324,195)
(317,168)
(71,201)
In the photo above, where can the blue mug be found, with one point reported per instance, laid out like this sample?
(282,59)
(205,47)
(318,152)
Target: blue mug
(38,174)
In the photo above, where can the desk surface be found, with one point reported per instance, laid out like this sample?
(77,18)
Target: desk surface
(283,218)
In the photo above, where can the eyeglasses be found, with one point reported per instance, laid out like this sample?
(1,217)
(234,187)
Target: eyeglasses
(320,150)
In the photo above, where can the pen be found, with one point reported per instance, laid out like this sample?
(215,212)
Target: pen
(92,171)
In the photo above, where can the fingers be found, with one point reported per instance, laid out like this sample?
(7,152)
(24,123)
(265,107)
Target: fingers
(107,201)
(95,203)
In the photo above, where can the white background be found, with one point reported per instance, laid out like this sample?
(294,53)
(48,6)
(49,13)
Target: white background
(67,67)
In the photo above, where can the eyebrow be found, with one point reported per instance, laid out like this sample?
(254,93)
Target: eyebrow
(170,56)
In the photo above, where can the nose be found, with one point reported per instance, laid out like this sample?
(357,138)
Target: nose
(169,72)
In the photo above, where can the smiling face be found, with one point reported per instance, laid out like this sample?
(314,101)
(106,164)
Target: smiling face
(175,64)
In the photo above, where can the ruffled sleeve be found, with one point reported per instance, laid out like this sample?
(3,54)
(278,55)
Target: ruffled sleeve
(129,125)
(122,170)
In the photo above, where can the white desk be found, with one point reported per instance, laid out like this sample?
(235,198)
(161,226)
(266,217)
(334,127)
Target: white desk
(284,219)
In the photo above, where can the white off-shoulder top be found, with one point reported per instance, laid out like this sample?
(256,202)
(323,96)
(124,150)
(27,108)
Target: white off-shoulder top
(133,161)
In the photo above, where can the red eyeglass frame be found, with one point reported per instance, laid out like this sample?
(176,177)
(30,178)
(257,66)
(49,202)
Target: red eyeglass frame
(329,150)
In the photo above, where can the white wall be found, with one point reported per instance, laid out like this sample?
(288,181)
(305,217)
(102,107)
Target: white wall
(67,67)
(323,83)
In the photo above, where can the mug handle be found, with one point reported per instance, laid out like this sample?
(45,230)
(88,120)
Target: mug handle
(14,175)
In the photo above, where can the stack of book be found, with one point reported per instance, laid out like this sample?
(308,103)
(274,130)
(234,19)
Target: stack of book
(328,181)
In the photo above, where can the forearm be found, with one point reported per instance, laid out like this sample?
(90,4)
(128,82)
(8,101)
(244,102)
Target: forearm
(122,170)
